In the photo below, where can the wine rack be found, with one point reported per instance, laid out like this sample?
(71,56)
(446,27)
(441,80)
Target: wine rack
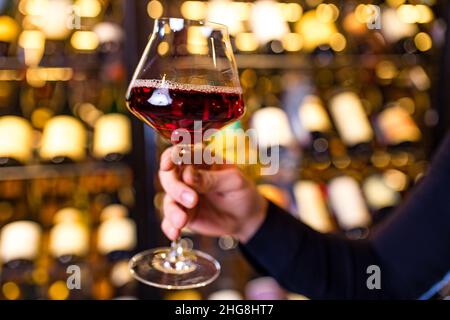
(325,175)
(85,77)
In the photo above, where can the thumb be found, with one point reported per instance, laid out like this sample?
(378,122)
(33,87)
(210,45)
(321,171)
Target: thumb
(204,181)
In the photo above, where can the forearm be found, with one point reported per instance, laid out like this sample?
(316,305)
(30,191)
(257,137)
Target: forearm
(317,265)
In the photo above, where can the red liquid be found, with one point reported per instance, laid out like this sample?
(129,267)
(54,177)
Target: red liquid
(174,106)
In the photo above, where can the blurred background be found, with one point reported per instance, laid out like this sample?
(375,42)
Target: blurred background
(355,91)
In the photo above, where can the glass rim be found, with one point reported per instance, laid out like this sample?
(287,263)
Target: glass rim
(201,22)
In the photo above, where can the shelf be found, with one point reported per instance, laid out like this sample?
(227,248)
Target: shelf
(46,171)
(303,61)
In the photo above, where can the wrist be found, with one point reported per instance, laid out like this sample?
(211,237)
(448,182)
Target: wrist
(254,222)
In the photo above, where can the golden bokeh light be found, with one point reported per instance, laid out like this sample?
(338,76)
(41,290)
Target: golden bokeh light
(408,13)
(386,70)
(84,40)
(195,10)
(423,41)
(11,291)
(292,42)
(58,291)
(327,12)
(88,8)
(163,48)
(9,29)
(292,12)
(338,42)
(313,31)
(246,41)
(155,9)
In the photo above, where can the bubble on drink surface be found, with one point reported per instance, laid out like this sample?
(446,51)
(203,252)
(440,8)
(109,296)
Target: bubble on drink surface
(171,85)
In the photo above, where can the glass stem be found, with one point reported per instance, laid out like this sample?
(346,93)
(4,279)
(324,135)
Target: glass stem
(176,249)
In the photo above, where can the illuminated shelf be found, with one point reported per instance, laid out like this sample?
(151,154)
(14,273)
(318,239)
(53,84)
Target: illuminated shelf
(304,61)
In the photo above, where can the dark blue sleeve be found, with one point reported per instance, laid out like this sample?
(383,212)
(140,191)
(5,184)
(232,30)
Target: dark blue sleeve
(412,248)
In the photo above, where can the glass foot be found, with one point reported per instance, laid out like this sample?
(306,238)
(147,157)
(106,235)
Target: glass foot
(156,267)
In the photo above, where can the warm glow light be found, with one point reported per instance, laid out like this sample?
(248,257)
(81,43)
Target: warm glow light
(20,240)
(352,25)
(292,42)
(348,203)
(420,78)
(194,10)
(108,32)
(312,207)
(267,22)
(155,9)
(395,179)
(84,40)
(9,29)
(8,75)
(10,290)
(50,74)
(338,42)
(33,43)
(408,13)
(397,126)
(350,118)
(223,11)
(393,28)
(312,115)
(327,12)
(58,290)
(314,32)
(395,3)
(63,136)
(163,48)
(423,41)
(386,70)
(365,13)
(425,13)
(15,138)
(242,10)
(246,41)
(69,238)
(197,43)
(112,135)
(33,7)
(108,241)
(272,127)
(378,194)
(292,12)
(88,8)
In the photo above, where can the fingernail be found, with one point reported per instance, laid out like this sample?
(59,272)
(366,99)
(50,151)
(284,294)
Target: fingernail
(187,198)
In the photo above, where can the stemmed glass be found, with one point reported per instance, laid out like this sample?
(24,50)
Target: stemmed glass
(187,76)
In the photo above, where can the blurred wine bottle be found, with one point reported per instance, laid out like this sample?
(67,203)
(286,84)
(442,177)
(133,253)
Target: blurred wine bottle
(19,248)
(64,138)
(16,137)
(349,207)
(116,240)
(315,120)
(69,274)
(352,123)
(112,137)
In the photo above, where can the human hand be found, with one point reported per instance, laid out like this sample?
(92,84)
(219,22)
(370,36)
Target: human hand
(216,202)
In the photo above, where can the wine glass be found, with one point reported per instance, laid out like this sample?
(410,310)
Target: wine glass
(187,75)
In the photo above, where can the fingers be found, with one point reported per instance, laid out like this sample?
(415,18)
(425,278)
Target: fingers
(178,190)
(175,218)
(204,181)
(170,232)
(166,163)
(176,215)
